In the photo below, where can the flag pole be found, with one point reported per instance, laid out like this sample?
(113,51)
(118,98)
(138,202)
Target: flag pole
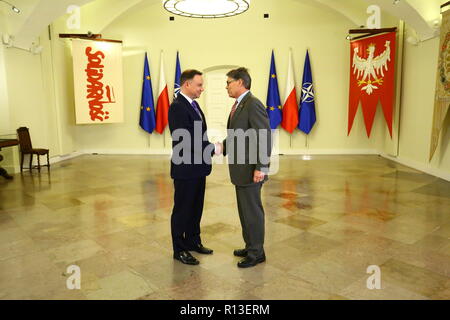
(164,133)
(290,136)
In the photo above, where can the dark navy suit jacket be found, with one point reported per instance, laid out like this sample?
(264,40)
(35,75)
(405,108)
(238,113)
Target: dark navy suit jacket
(182,116)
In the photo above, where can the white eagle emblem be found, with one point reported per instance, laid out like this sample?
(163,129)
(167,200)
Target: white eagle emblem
(372,67)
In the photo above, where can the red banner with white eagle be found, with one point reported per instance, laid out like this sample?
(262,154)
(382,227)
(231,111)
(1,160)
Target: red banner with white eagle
(372,79)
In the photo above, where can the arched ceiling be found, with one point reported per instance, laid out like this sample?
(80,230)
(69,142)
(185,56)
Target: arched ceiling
(418,14)
(36,15)
(353,10)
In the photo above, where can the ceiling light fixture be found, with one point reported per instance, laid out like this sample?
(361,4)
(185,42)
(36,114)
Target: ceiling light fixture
(206,8)
(13,8)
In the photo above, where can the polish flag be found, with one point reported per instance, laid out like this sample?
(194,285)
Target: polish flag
(162,106)
(290,109)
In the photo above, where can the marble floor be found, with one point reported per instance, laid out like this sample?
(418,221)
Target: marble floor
(327,220)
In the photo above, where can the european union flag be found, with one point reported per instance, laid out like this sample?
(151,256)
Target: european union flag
(307,112)
(176,87)
(147,118)
(273,106)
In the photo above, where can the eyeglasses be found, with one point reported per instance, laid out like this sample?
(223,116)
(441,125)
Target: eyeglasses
(228,82)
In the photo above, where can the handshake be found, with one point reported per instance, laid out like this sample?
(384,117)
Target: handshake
(218,148)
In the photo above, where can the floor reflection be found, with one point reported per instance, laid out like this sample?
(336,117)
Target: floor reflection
(327,220)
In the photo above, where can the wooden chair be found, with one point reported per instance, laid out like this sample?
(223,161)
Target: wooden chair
(26,148)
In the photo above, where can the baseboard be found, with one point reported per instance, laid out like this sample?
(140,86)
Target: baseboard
(419,166)
(128,151)
(280,152)
(329,152)
(52,160)
(65,157)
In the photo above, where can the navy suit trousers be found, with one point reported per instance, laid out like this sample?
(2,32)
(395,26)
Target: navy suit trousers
(187,213)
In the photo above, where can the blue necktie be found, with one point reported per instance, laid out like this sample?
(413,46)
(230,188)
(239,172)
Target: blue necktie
(195,106)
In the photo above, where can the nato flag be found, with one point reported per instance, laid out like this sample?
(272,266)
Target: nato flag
(147,118)
(273,106)
(176,88)
(307,112)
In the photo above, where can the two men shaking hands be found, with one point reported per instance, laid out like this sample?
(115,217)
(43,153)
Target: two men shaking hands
(248,146)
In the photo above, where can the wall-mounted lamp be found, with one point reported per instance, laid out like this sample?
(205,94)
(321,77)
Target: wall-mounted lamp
(7,40)
(413,40)
(436,23)
(13,7)
(36,49)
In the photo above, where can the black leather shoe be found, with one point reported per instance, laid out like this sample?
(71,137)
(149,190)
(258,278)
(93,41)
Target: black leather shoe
(250,262)
(201,249)
(185,257)
(240,253)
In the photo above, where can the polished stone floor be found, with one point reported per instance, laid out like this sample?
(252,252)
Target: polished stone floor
(327,220)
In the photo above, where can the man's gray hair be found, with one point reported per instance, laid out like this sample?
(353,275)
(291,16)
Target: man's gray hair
(241,73)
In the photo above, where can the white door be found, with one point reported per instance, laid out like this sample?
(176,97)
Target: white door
(217,103)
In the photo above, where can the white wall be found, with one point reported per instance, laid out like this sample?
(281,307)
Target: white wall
(61,77)
(28,99)
(5,120)
(26,94)
(419,83)
(38,91)
(245,40)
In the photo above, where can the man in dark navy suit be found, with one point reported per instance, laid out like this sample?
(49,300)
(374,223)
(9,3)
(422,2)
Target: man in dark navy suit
(190,164)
